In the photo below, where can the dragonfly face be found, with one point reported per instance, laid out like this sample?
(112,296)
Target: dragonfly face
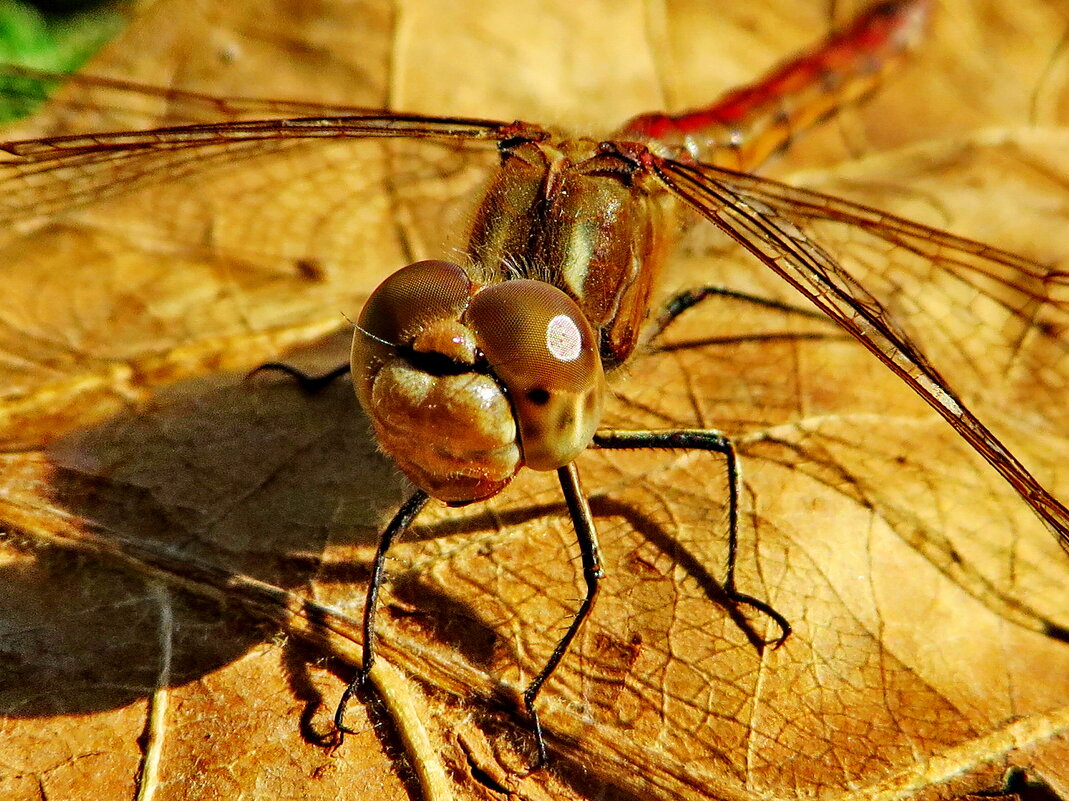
(467,383)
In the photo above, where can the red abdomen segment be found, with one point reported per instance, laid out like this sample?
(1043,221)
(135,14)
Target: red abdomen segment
(745,126)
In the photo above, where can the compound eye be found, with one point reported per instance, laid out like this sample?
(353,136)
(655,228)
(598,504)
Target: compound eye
(413,297)
(446,425)
(542,349)
(400,309)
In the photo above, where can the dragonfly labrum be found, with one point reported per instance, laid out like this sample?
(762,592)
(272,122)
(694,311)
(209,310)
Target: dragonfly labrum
(472,371)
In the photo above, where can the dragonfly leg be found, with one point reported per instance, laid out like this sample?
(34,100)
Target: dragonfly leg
(583,521)
(309,383)
(401,522)
(706,440)
(689,298)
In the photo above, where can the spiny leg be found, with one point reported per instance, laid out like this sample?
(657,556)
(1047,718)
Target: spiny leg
(401,522)
(708,439)
(705,440)
(586,534)
(689,298)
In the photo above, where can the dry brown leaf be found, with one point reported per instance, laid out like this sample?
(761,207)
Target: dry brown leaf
(168,517)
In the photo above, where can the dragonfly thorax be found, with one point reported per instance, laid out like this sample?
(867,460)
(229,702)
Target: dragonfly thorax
(579,216)
(466,383)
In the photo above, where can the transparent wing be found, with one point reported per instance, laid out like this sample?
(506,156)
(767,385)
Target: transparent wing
(895,273)
(49,175)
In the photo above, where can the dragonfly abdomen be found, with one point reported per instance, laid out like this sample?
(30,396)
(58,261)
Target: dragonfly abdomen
(742,128)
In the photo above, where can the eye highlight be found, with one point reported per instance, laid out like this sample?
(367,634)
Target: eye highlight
(564,340)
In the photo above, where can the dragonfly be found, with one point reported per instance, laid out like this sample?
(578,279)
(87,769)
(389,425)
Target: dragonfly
(471,372)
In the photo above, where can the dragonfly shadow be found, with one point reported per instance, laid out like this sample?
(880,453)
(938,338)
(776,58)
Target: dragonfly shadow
(693,565)
(241,478)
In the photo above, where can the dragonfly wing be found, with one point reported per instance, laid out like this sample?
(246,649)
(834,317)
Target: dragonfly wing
(771,221)
(47,176)
(1011,313)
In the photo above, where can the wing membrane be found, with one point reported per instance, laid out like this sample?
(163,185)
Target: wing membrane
(49,175)
(765,218)
(1022,285)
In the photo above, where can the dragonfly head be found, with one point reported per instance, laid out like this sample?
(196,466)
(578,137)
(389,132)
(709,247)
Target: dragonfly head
(466,383)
